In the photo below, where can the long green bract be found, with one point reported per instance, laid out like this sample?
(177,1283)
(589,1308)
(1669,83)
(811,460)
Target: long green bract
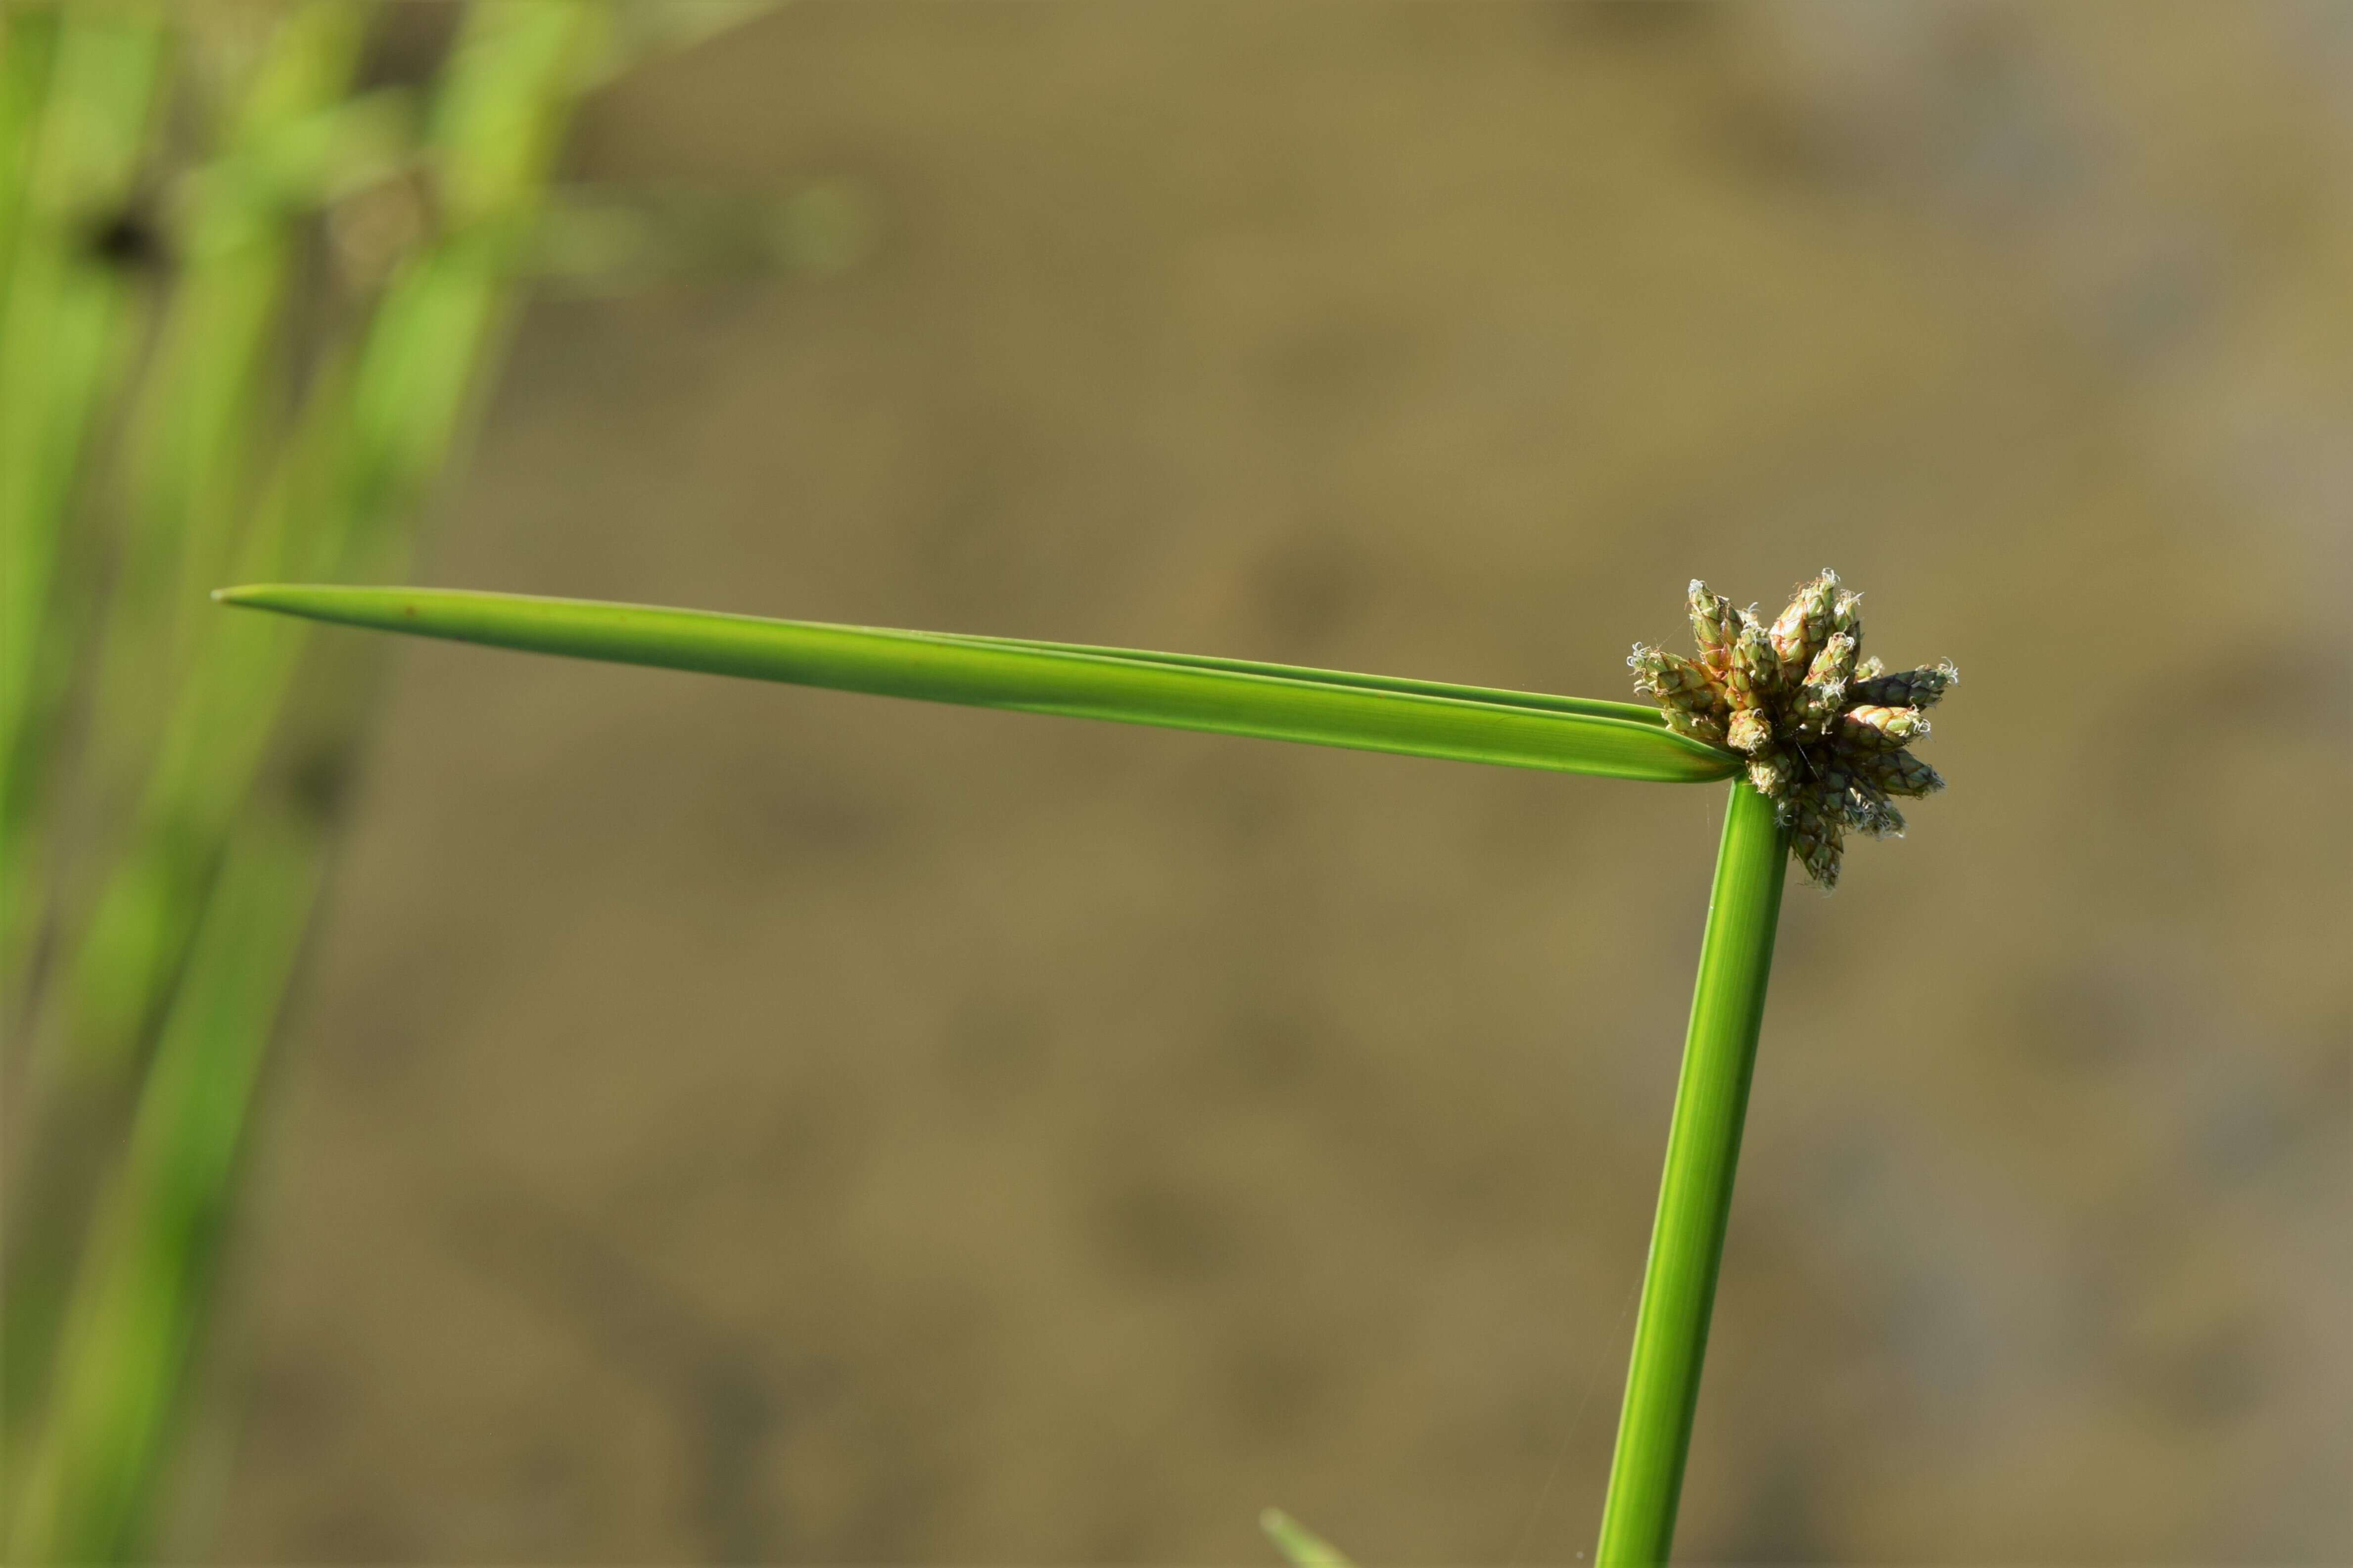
(1178,691)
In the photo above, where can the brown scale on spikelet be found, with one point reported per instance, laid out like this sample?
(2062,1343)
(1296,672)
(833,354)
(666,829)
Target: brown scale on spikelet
(1824,730)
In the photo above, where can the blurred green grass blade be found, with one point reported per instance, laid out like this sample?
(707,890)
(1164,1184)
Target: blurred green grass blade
(204,409)
(64,338)
(1654,1426)
(1301,1547)
(144,1279)
(60,345)
(160,959)
(375,433)
(289,161)
(495,125)
(194,440)
(28,38)
(1316,708)
(205,396)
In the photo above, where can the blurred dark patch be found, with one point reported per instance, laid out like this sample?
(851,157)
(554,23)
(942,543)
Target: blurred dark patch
(1337,377)
(2215,1379)
(548,1492)
(358,1529)
(409,44)
(1476,1194)
(994,1050)
(1934,1324)
(295,1403)
(2115,1255)
(130,240)
(1267,1048)
(1656,23)
(2082,1015)
(2284,679)
(1778,138)
(810,1147)
(1778,1522)
(1119,1529)
(965,539)
(1333,361)
(2330,1066)
(1273,1386)
(756,817)
(1997,134)
(1157,1232)
(404,1004)
(726,1401)
(2158,305)
(1248,807)
(1311,589)
(320,780)
(2240,1132)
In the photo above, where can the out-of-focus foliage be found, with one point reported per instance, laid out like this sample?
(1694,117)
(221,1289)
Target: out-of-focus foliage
(248,297)
(1300,1546)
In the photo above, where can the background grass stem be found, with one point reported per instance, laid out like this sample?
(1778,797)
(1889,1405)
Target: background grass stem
(68,323)
(138,1304)
(149,981)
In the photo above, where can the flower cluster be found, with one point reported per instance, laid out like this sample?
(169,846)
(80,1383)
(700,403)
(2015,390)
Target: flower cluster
(1824,728)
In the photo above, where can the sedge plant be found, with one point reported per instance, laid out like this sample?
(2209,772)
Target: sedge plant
(1813,736)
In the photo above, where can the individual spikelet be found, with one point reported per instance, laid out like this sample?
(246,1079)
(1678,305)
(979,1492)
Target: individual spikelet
(1715,626)
(1693,700)
(1907,687)
(1826,731)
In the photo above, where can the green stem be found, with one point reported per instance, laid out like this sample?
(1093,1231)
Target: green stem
(147,1263)
(1735,959)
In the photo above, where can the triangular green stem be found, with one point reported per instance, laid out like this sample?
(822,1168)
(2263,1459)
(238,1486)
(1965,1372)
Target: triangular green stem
(1735,959)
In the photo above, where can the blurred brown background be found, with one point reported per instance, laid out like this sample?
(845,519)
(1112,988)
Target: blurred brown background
(734,1122)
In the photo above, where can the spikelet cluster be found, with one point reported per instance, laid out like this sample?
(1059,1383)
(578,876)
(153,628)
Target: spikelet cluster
(1825,730)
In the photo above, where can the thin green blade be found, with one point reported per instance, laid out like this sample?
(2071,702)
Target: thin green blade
(1321,708)
(1300,1546)
(1593,707)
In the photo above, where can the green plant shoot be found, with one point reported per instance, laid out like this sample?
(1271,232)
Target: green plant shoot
(1819,733)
